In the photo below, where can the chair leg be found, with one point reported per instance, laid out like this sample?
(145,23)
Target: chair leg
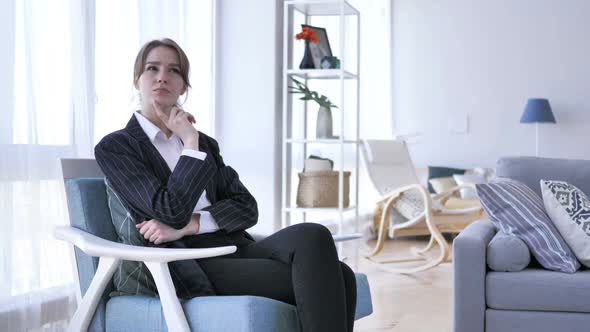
(421,252)
(87,307)
(435,237)
(173,313)
(385,210)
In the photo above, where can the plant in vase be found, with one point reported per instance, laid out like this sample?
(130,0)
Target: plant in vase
(309,35)
(324,120)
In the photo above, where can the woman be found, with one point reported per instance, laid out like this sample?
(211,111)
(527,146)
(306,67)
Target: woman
(173,178)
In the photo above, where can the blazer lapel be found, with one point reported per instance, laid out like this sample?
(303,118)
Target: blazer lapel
(160,165)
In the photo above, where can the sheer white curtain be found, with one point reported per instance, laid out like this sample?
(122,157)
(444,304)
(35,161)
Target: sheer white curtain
(44,118)
(52,106)
(119,36)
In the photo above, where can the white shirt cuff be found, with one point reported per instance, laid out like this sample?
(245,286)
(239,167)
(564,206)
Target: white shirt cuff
(206,223)
(194,153)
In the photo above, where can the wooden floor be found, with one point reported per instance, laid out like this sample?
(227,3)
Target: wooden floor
(416,303)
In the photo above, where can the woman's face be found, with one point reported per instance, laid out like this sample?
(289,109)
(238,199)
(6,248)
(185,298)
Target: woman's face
(161,80)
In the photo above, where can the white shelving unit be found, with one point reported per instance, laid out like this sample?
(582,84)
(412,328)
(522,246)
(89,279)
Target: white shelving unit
(341,11)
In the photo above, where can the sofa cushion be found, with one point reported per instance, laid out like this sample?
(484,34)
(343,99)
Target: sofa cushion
(507,253)
(535,321)
(538,289)
(515,209)
(530,170)
(569,209)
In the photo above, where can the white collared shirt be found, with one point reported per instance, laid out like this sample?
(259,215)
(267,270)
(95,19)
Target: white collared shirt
(171,149)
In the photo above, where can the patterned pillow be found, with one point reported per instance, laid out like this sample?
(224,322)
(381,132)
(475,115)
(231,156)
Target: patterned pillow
(411,204)
(569,209)
(131,277)
(515,209)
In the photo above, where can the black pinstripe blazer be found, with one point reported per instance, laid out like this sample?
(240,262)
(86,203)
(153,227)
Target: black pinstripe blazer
(150,190)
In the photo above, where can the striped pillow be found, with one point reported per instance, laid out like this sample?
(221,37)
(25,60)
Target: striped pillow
(515,209)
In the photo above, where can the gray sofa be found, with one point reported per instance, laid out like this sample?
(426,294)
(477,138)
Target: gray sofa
(533,299)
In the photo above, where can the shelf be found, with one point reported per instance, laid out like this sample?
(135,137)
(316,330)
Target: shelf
(322,8)
(347,79)
(321,210)
(333,74)
(320,141)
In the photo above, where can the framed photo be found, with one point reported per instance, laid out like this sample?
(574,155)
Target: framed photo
(321,49)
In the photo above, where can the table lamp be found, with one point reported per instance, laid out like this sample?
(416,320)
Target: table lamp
(537,110)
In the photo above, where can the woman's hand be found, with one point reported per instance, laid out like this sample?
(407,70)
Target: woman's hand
(180,123)
(157,232)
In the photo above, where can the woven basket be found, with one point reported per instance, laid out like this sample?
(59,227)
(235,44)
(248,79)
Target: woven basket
(320,189)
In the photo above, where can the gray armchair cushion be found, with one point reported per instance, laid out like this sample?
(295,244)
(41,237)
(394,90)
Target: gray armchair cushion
(134,278)
(131,278)
(507,253)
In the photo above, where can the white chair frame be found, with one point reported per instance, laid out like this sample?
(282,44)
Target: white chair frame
(111,253)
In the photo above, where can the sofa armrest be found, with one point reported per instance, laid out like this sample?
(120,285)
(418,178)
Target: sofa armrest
(469,272)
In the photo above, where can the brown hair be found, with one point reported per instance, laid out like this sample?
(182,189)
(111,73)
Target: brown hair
(139,66)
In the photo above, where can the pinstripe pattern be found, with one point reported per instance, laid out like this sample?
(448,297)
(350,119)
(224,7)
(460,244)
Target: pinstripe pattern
(134,277)
(143,180)
(516,209)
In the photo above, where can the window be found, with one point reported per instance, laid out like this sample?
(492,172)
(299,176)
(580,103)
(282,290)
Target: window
(56,60)
(119,36)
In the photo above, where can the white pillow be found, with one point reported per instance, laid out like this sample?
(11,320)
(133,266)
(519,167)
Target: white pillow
(411,204)
(569,209)
(487,173)
(465,179)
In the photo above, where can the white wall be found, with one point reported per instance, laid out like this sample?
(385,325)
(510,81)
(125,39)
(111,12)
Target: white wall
(248,122)
(483,59)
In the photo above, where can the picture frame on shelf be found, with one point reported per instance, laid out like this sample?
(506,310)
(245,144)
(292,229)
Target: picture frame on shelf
(321,49)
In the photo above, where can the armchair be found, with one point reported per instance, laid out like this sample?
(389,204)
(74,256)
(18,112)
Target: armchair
(393,174)
(98,254)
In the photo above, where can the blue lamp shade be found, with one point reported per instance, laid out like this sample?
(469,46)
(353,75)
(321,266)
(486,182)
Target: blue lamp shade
(537,110)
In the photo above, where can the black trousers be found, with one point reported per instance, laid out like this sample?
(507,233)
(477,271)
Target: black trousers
(303,270)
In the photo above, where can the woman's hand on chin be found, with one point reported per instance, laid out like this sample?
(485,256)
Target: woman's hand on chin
(180,123)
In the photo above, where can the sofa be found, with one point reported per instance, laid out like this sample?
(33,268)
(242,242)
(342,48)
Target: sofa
(532,298)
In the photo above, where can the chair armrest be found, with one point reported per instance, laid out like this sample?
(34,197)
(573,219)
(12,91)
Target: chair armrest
(95,246)
(469,266)
(156,260)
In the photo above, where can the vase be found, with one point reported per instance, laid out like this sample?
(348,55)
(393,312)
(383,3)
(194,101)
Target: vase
(307,61)
(324,123)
